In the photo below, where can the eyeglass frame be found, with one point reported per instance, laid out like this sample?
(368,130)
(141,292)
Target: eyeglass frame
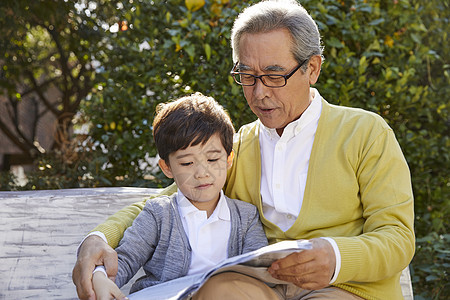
(286,77)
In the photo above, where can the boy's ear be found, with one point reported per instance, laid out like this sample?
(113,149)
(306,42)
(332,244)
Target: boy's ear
(165,168)
(230,159)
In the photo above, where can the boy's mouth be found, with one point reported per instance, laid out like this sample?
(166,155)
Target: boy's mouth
(204,186)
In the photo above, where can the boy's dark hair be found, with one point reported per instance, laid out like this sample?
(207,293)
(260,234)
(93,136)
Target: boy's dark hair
(189,121)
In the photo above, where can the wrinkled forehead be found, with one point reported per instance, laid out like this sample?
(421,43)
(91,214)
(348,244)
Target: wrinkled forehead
(268,51)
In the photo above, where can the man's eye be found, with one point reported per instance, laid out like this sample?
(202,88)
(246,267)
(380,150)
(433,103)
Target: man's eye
(275,78)
(246,77)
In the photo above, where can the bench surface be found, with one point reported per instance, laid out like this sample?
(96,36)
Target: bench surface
(41,230)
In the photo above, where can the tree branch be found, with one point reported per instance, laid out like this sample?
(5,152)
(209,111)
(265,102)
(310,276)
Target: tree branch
(63,58)
(13,138)
(35,104)
(38,91)
(43,84)
(14,113)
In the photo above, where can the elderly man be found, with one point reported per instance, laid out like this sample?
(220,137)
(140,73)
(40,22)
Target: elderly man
(330,174)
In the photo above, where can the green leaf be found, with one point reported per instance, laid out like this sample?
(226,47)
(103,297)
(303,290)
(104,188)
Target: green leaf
(207,51)
(190,50)
(334,42)
(376,22)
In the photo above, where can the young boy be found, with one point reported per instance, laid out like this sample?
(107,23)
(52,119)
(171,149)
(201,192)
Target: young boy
(199,226)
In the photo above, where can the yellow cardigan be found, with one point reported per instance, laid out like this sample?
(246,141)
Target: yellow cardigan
(358,192)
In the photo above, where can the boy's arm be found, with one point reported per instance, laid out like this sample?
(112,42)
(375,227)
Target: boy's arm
(105,288)
(255,237)
(138,243)
(94,251)
(114,227)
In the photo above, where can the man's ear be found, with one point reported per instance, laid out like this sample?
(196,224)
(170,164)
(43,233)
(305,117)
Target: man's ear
(165,167)
(230,159)
(315,63)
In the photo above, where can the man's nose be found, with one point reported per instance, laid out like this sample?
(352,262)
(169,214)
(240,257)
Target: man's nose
(260,91)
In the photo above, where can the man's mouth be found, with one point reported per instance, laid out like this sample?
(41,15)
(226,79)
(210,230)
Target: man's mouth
(266,110)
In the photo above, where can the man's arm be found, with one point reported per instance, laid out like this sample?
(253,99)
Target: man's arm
(114,227)
(93,252)
(387,240)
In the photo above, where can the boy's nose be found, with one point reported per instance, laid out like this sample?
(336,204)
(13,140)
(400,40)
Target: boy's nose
(201,171)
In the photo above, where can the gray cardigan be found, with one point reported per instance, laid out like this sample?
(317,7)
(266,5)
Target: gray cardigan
(157,241)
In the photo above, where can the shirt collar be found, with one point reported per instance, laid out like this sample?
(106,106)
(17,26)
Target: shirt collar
(311,113)
(221,211)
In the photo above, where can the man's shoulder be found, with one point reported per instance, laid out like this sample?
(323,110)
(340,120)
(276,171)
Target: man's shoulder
(353,116)
(249,128)
(350,111)
(247,134)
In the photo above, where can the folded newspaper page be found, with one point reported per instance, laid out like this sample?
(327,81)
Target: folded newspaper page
(253,264)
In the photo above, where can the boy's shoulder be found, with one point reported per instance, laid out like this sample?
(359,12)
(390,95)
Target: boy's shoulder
(160,202)
(241,205)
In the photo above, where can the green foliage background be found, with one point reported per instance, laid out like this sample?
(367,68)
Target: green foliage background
(390,57)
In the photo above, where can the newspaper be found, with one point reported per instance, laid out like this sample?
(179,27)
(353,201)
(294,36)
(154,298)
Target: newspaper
(253,264)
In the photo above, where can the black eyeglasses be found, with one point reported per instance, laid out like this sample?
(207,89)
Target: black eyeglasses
(269,80)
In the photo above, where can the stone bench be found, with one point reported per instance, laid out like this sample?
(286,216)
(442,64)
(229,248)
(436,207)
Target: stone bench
(40,232)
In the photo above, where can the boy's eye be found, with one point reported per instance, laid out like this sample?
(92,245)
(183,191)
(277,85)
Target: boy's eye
(213,159)
(186,164)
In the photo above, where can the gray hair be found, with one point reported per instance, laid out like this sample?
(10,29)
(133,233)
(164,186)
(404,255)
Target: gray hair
(271,15)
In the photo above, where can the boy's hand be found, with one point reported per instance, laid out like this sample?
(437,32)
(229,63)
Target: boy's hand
(105,288)
(94,251)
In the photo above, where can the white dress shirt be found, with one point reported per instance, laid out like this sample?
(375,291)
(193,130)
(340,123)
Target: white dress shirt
(284,168)
(208,237)
(285,160)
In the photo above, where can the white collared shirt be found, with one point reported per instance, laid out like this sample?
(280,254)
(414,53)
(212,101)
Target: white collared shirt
(208,237)
(284,160)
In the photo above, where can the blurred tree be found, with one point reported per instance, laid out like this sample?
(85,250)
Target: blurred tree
(170,48)
(47,66)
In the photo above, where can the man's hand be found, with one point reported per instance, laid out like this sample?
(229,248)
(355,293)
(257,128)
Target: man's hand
(309,269)
(93,252)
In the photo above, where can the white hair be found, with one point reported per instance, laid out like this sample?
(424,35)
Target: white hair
(270,15)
